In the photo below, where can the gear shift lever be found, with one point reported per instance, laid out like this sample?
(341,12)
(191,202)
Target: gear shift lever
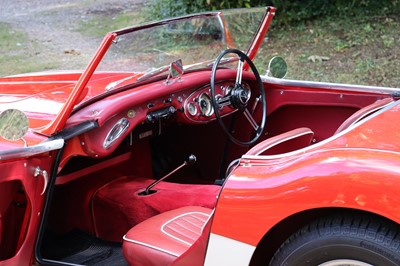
(190,161)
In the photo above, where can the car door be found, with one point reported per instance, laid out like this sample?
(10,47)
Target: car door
(25,174)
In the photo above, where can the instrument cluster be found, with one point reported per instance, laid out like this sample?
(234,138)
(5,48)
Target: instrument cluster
(198,107)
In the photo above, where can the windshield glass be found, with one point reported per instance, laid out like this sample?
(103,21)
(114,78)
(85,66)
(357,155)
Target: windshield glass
(197,40)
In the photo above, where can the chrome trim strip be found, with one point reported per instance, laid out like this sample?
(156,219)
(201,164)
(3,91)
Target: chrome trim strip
(33,150)
(329,86)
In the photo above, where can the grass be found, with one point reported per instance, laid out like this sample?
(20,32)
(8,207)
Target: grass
(17,53)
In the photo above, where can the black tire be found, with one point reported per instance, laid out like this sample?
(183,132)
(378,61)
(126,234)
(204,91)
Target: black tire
(342,240)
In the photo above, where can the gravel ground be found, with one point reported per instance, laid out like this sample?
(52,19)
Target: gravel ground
(52,24)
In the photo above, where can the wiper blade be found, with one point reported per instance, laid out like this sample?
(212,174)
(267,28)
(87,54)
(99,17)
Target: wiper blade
(210,63)
(113,84)
(153,73)
(224,61)
(145,76)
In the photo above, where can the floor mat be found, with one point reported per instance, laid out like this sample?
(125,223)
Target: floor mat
(83,249)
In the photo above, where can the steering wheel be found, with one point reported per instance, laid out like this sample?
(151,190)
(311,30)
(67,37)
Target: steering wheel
(239,97)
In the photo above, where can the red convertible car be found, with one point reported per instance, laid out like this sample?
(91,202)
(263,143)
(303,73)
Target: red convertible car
(170,148)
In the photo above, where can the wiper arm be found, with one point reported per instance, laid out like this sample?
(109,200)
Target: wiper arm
(113,84)
(224,61)
(154,72)
(145,76)
(210,63)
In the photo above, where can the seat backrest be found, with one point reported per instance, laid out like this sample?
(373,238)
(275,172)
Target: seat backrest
(283,143)
(363,112)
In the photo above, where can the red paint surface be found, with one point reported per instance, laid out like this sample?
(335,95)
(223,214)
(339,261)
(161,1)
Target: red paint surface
(359,170)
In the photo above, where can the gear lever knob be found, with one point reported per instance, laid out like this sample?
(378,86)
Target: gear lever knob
(191,159)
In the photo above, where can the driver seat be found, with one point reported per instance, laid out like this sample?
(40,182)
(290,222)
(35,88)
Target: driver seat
(176,237)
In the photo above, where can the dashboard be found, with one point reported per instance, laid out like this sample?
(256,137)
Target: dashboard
(187,101)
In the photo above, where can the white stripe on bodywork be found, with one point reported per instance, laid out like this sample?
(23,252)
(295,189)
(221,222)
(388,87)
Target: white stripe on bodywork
(225,251)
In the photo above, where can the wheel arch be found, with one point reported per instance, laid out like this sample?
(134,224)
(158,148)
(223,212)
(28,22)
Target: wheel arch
(275,237)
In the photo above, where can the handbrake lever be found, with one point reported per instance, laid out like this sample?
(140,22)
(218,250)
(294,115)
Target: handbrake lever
(190,161)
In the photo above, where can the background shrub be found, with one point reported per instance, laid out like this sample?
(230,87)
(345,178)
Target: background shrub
(289,11)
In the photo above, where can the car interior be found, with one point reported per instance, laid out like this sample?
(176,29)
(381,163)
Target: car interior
(165,150)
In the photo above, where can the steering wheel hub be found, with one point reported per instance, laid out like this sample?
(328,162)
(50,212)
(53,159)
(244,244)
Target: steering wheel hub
(240,97)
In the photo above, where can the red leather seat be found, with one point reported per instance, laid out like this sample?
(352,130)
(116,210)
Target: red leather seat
(177,237)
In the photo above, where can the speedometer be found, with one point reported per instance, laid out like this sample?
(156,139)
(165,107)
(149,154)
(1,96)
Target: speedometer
(205,104)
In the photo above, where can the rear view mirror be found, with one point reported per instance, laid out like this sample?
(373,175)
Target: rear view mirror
(13,124)
(175,70)
(277,67)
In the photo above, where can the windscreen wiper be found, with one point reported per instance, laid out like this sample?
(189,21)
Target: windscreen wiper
(154,72)
(114,84)
(145,76)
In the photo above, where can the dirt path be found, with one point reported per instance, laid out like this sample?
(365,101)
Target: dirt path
(52,24)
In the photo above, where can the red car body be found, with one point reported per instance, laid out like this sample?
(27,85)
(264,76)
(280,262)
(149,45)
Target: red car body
(62,177)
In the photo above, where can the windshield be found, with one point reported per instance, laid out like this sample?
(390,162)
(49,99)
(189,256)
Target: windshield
(196,40)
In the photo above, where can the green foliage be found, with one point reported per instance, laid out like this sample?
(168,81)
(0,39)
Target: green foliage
(159,9)
(289,11)
(293,11)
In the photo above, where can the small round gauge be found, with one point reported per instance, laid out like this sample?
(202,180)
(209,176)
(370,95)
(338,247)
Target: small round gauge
(192,109)
(205,104)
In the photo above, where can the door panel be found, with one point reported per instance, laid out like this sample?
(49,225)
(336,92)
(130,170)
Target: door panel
(21,204)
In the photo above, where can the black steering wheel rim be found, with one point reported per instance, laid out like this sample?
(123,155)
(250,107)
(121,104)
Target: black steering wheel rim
(242,108)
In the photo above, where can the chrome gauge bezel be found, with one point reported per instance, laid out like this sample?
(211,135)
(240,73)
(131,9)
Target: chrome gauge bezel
(207,113)
(205,105)
(192,109)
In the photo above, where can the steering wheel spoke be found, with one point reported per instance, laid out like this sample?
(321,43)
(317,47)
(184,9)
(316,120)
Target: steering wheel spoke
(251,120)
(240,97)
(239,72)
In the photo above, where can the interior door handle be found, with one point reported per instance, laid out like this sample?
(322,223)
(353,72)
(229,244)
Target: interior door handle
(45,176)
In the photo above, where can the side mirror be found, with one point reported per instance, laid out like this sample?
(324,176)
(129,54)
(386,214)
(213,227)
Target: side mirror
(13,124)
(277,67)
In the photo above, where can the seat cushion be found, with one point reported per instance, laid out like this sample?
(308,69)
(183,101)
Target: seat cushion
(163,239)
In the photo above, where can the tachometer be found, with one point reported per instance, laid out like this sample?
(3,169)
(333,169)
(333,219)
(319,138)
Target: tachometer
(205,104)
